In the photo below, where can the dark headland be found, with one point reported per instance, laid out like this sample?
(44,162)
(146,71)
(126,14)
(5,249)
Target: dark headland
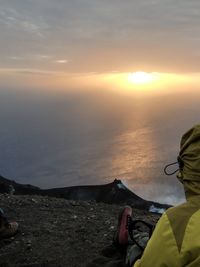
(65,226)
(112,193)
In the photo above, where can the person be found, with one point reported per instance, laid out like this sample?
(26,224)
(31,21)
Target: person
(7,229)
(175,241)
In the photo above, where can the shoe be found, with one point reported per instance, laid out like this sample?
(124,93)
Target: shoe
(8,230)
(121,235)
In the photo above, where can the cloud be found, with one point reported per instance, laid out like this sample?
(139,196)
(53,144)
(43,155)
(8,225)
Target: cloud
(39,57)
(62,61)
(29,71)
(112,34)
(31,28)
(16,58)
(21,21)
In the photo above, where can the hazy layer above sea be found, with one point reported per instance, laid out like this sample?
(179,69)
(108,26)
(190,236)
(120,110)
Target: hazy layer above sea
(56,139)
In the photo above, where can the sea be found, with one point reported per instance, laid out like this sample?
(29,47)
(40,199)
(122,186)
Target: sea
(53,138)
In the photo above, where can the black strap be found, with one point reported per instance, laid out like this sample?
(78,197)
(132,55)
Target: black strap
(132,225)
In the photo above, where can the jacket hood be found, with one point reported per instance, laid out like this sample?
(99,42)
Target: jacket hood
(189,161)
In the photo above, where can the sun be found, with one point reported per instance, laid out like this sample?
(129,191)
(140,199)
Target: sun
(140,77)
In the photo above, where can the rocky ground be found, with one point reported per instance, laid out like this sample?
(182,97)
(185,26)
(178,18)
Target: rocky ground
(56,232)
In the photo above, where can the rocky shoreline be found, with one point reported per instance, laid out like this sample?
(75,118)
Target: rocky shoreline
(55,232)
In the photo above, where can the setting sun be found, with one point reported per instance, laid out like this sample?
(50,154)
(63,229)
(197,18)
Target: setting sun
(141,77)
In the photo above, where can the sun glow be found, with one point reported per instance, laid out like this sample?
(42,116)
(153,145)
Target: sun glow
(141,77)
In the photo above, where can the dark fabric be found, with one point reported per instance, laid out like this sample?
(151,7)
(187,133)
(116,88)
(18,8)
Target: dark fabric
(111,256)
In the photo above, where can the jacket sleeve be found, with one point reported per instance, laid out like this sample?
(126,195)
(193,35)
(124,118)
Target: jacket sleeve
(161,250)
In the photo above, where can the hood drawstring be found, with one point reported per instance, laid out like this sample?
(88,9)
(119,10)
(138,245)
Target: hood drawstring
(167,166)
(180,164)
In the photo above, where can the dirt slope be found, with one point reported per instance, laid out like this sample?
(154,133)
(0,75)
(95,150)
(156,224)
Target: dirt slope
(58,232)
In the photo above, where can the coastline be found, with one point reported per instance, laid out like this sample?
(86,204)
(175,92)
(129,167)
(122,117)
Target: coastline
(112,193)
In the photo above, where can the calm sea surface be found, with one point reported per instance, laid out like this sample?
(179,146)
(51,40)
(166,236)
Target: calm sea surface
(64,139)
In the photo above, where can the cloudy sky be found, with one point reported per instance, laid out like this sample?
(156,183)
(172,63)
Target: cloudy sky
(48,38)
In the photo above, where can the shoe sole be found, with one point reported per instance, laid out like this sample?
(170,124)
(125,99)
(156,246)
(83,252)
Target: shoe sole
(122,232)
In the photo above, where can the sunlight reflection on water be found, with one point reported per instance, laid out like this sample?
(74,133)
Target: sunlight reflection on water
(133,153)
(138,158)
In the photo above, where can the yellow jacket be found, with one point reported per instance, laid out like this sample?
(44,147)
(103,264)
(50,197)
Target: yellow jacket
(176,238)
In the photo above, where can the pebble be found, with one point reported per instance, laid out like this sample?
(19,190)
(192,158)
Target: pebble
(34,200)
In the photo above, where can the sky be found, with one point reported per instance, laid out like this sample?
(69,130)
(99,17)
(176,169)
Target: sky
(137,48)
(65,44)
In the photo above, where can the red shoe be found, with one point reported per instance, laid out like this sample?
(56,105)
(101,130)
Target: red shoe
(121,235)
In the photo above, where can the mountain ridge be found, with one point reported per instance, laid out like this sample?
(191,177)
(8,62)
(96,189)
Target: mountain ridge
(112,193)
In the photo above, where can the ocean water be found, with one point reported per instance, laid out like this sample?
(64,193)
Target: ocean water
(56,139)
